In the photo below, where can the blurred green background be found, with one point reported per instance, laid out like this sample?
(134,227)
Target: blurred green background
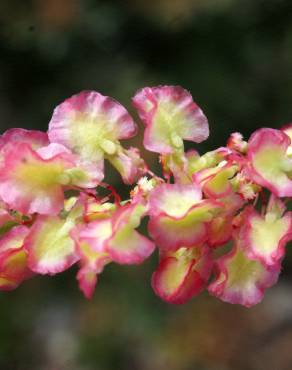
(235,56)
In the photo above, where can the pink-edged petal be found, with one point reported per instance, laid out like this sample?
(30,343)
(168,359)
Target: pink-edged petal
(14,136)
(208,161)
(218,185)
(236,142)
(90,125)
(232,203)
(169,232)
(87,280)
(92,263)
(129,164)
(13,268)
(29,183)
(240,280)
(170,115)
(127,246)
(183,274)
(265,237)
(14,238)
(52,150)
(269,164)
(92,253)
(81,174)
(89,257)
(96,233)
(220,230)
(95,210)
(13,258)
(49,245)
(174,200)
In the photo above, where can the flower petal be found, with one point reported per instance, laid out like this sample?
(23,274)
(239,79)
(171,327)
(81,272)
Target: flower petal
(13,239)
(269,163)
(49,245)
(36,139)
(13,268)
(170,115)
(129,164)
(183,274)
(29,183)
(174,200)
(220,230)
(218,185)
(266,236)
(13,258)
(240,280)
(90,124)
(127,246)
(87,280)
(169,232)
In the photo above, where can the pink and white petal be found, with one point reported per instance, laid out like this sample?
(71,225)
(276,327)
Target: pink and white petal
(232,203)
(218,185)
(92,263)
(31,184)
(90,124)
(174,200)
(170,115)
(170,233)
(34,138)
(52,150)
(95,210)
(13,268)
(82,174)
(220,231)
(91,266)
(127,246)
(14,238)
(269,163)
(265,238)
(240,280)
(128,215)
(49,245)
(96,233)
(182,275)
(129,164)
(276,206)
(87,280)
(236,142)
(89,256)
(87,174)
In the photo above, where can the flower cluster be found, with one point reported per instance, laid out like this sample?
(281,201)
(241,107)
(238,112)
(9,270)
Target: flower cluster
(219,220)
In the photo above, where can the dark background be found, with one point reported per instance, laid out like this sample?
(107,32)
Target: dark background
(236,59)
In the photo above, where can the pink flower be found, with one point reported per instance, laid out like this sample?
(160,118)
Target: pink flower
(182,274)
(265,236)
(33,181)
(270,165)
(13,258)
(170,115)
(179,216)
(91,125)
(110,238)
(239,279)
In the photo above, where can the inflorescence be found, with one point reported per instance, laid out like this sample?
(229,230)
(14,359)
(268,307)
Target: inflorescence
(219,220)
